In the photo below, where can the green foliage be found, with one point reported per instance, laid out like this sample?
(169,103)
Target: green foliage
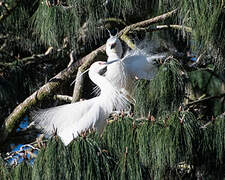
(206,17)
(173,139)
(210,84)
(118,136)
(120,140)
(17,27)
(82,19)
(164,93)
(4,170)
(213,145)
(147,136)
(82,159)
(88,159)
(53,24)
(22,171)
(219,140)
(174,144)
(203,18)
(52,162)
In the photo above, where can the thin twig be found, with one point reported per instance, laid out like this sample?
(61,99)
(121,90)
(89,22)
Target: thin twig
(21,151)
(71,59)
(204,100)
(63,98)
(173,26)
(30,59)
(123,33)
(147,22)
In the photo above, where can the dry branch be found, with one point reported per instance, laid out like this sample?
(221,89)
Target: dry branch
(123,33)
(204,100)
(31,59)
(147,22)
(64,98)
(163,27)
(78,86)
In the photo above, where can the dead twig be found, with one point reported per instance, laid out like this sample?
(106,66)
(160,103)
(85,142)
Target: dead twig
(147,22)
(204,100)
(163,27)
(123,33)
(63,98)
(31,59)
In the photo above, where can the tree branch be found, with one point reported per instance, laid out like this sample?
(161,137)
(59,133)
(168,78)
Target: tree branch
(204,100)
(162,27)
(78,86)
(123,33)
(63,98)
(147,22)
(28,60)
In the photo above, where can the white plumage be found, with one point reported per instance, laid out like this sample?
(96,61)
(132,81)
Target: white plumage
(71,119)
(136,64)
(115,85)
(114,48)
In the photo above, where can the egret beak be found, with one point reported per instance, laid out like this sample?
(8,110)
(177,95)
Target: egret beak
(79,76)
(113,61)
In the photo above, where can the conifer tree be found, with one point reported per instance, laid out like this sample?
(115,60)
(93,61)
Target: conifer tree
(178,127)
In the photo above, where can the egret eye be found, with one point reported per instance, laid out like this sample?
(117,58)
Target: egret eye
(113,45)
(102,63)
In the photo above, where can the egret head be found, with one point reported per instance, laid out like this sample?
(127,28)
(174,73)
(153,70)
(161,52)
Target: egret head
(114,47)
(98,67)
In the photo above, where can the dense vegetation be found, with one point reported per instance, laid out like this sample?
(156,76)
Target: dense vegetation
(177,130)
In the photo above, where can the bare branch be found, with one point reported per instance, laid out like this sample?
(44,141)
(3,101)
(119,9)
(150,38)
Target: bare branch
(147,22)
(123,33)
(31,59)
(162,27)
(63,98)
(71,59)
(78,86)
(205,99)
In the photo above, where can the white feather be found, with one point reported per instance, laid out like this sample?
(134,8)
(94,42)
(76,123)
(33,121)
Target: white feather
(136,64)
(71,119)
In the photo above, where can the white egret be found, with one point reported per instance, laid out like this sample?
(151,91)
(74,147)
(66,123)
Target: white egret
(136,64)
(114,48)
(71,119)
